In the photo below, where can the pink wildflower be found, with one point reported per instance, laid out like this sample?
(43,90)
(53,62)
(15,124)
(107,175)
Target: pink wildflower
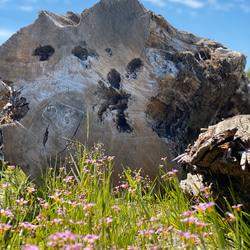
(5,186)
(190,220)
(165,229)
(98,165)
(62,169)
(187,235)
(68,178)
(110,158)
(124,185)
(146,233)
(56,221)
(116,191)
(41,200)
(81,223)
(237,207)
(21,201)
(205,206)
(4,227)
(6,213)
(91,238)
(207,235)
(31,247)
(201,224)
(31,189)
(73,204)
(75,246)
(61,211)
(89,248)
(88,206)
(187,213)
(154,219)
(11,167)
(138,178)
(66,236)
(28,226)
(131,190)
(109,220)
(55,196)
(116,208)
(40,217)
(46,204)
(170,173)
(139,223)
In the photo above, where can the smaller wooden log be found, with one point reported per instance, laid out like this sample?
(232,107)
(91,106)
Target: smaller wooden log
(221,155)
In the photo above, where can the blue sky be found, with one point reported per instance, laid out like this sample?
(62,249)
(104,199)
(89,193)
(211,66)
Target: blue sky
(226,21)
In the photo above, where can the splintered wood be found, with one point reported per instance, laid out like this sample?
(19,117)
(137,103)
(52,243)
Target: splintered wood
(223,151)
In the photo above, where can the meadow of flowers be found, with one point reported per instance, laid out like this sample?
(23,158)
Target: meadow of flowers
(84,211)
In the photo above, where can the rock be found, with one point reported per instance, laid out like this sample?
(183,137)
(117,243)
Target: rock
(145,87)
(221,156)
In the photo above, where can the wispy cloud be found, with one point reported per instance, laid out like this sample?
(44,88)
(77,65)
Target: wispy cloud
(190,3)
(221,5)
(31,1)
(26,8)
(245,8)
(3,4)
(159,3)
(4,34)
(4,1)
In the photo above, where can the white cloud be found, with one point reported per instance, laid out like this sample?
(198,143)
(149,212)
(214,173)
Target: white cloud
(190,3)
(221,5)
(31,1)
(239,1)
(159,3)
(26,8)
(5,34)
(245,8)
(3,4)
(4,1)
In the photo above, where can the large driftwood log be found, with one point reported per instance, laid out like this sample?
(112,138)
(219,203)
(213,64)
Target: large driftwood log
(221,155)
(148,88)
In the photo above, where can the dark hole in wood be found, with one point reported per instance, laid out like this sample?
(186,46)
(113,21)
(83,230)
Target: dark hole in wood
(45,52)
(114,100)
(81,53)
(17,110)
(109,51)
(133,67)
(114,78)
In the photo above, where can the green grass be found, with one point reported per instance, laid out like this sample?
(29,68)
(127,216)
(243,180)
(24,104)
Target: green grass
(85,211)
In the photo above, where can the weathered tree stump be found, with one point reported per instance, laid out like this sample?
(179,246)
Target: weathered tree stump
(221,156)
(147,87)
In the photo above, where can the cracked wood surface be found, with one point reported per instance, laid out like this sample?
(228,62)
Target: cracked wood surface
(222,153)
